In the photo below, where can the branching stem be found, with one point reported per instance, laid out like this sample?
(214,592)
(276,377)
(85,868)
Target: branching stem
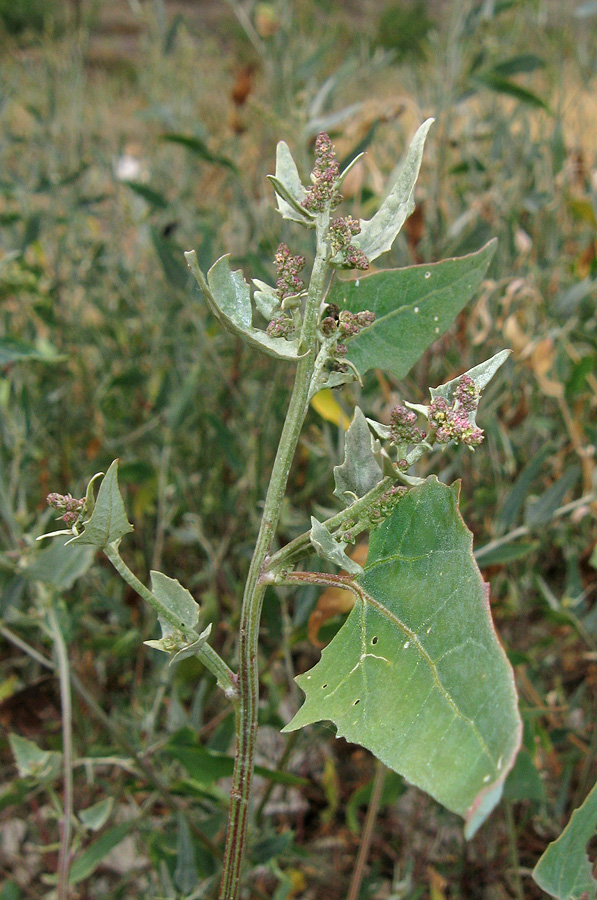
(248,673)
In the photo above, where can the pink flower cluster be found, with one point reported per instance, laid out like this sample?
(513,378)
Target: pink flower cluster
(288,268)
(68,505)
(403,427)
(452,421)
(325,175)
(342,230)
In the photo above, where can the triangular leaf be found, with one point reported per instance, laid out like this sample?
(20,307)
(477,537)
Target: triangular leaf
(229,298)
(96,816)
(421,301)
(108,522)
(564,870)
(360,471)
(379,233)
(33,762)
(416,674)
(481,375)
(332,550)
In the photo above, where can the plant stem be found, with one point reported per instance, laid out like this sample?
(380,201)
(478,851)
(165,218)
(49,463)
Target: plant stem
(512,840)
(248,672)
(365,846)
(63,668)
(301,546)
(208,656)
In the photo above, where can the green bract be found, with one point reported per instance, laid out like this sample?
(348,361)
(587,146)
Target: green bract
(416,674)
(108,522)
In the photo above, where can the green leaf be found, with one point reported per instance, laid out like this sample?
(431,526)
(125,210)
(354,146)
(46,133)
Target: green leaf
(10,891)
(504,553)
(564,870)
(524,781)
(523,62)
(328,548)
(360,471)
(379,233)
(96,816)
(419,301)
(12,350)
(290,191)
(60,565)
(229,298)
(514,501)
(154,198)
(108,522)
(86,864)
(501,85)
(416,674)
(185,874)
(175,598)
(33,762)
(199,148)
(540,511)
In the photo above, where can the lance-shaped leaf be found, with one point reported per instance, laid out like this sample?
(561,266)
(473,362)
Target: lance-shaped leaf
(419,301)
(481,375)
(564,870)
(328,548)
(108,521)
(416,674)
(379,233)
(360,471)
(229,298)
(290,191)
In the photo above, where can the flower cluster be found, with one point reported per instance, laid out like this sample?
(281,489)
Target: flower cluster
(68,506)
(324,177)
(453,421)
(403,426)
(350,324)
(342,230)
(283,326)
(288,268)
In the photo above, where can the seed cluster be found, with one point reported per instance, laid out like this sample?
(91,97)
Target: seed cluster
(403,426)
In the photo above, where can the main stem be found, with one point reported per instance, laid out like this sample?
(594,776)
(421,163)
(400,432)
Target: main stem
(248,667)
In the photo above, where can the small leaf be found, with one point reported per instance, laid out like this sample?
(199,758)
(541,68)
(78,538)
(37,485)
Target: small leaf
(229,298)
(421,301)
(199,148)
(175,598)
(86,864)
(33,762)
(360,471)
(96,816)
(289,188)
(328,548)
(266,299)
(540,511)
(416,673)
(501,85)
(151,196)
(108,522)
(564,870)
(379,233)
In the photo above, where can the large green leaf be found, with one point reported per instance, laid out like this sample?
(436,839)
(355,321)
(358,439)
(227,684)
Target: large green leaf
(419,301)
(108,522)
(229,298)
(416,674)
(564,870)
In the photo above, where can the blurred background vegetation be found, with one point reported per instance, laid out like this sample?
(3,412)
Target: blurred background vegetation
(131,131)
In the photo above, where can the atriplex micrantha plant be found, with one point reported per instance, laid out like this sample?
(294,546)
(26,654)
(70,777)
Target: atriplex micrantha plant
(416,673)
